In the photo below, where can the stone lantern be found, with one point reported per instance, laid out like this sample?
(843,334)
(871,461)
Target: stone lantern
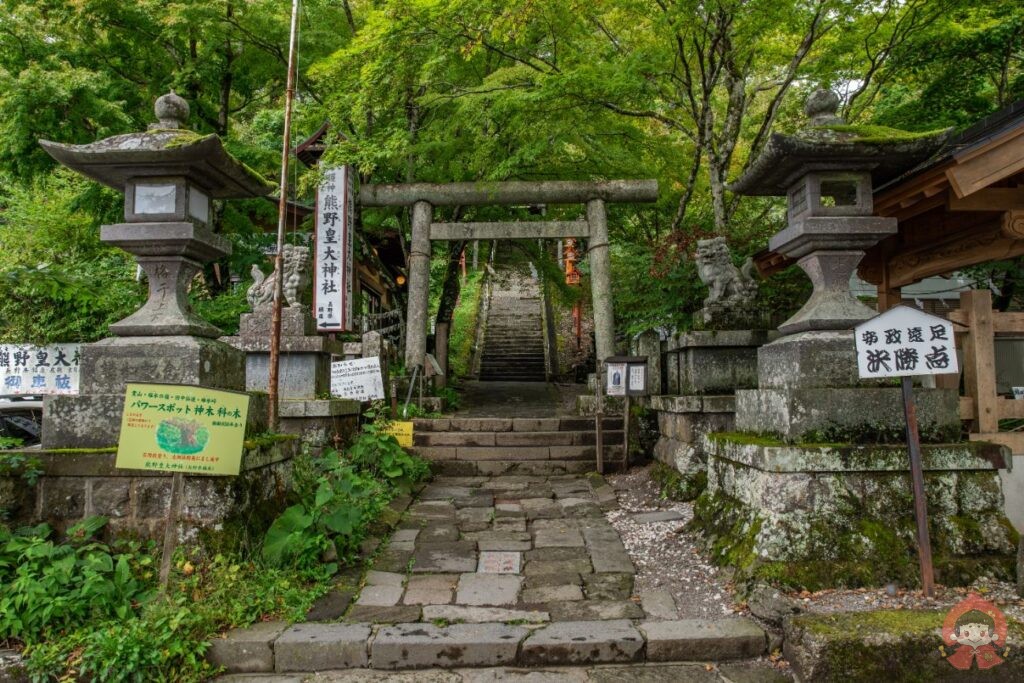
(169,175)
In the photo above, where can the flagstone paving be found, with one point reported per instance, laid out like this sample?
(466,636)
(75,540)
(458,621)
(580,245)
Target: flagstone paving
(489,571)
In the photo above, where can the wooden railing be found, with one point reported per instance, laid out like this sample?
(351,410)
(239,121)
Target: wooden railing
(981,405)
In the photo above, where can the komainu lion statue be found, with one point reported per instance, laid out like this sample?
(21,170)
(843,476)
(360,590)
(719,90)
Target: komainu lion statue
(296,279)
(731,290)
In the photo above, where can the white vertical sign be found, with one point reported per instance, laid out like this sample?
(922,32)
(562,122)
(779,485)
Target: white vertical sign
(333,265)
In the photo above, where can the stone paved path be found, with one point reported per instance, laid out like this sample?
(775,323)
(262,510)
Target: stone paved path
(502,549)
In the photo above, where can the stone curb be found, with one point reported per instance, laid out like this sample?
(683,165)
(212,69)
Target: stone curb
(309,647)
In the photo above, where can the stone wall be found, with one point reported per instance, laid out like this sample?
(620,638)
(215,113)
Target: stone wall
(682,423)
(825,516)
(79,484)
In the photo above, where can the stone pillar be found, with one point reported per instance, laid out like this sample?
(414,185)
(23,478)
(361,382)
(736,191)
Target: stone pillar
(441,350)
(649,344)
(600,280)
(419,286)
(476,255)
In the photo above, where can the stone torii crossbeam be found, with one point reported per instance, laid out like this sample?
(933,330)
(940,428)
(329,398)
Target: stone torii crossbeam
(423,197)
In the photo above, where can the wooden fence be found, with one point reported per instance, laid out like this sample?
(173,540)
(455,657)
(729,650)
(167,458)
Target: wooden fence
(981,405)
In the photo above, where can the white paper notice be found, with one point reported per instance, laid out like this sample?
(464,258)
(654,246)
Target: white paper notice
(358,379)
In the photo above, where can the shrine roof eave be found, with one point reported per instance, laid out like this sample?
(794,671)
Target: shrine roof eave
(785,158)
(161,153)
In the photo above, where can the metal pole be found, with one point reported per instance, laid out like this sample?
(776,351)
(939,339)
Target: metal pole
(924,545)
(282,209)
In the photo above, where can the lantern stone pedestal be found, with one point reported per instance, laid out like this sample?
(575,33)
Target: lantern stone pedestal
(169,175)
(811,488)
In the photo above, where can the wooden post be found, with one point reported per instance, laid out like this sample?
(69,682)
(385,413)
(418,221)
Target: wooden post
(979,360)
(598,419)
(625,432)
(924,546)
(171,527)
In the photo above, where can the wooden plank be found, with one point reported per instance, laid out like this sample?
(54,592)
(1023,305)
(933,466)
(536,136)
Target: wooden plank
(989,199)
(1012,440)
(1010,408)
(1007,321)
(997,159)
(979,359)
(509,230)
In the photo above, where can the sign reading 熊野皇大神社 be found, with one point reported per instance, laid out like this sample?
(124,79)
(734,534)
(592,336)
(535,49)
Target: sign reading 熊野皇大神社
(332,265)
(182,428)
(903,342)
(39,370)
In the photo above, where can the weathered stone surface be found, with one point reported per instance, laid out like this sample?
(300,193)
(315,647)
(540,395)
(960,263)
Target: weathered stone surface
(438,533)
(246,650)
(558,538)
(488,589)
(587,610)
(379,578)
(474,518)
(547,594)
(769,604)
(658,603)
(578,642)
(499,562)
(422,646)
(316,647)
(657,516)
(331,606)
(509,541)
(437,511)
(481,615)
(541,508)
(111,498)
(548,554)
(456,557)
(534,567)
(699,639)
(875,646)
(552,579)
(430,589)
(380,596)
(387,614)
(509,524)
(658,673)
(608,586)
(404,535)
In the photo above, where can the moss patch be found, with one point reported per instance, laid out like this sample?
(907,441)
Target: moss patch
(877,134)
(674,485)
(745,439)
(267,439)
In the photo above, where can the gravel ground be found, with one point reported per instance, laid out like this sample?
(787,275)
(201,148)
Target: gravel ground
(666,556)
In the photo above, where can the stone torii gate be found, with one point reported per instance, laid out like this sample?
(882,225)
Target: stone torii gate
(423,197)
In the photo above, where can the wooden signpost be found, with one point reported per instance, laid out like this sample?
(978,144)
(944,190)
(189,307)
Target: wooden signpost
(625,376)
(905,342)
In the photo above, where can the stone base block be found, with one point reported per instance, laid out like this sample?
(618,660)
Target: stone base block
(301,375)
(682,422)
(94,420)
(861,415)
(886,645)
(719,362)
(318,422)
(826,517)
(587,405)
(296,321)
(809,359)
(108,365)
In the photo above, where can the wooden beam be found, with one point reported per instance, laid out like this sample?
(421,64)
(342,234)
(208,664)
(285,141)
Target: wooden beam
(979,359)
(989,199)
(988,163)
(509,230)
(509,193)
(960,249)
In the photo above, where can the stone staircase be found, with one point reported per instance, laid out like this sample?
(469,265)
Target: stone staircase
(491,446)
(513,348)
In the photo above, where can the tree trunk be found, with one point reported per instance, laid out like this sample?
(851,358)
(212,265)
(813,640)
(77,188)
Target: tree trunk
(452,283)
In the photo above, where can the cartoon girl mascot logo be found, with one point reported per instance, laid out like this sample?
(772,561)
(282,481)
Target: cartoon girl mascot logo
(976,629)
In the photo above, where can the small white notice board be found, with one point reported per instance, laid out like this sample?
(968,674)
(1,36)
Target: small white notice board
(903,342)
(359,379)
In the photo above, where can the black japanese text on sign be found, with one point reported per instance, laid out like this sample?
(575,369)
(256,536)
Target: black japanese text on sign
(903,342)
(333,267)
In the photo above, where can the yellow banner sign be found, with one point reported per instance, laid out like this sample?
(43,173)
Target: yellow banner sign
(402,431)
(181,428)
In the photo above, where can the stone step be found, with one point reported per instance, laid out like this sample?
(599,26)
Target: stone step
(513,439)
(480,453)
(517,424)
(276,647)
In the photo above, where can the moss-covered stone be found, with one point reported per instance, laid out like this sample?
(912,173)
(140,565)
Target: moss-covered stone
(884,645)
(675,485)
(873,134)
